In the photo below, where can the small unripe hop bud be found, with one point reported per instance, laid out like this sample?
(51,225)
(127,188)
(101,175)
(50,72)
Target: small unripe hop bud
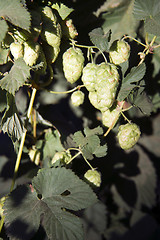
(119,52)
(72,32)
(16,50)
(64,157)
(77,98)
(73,61)
(94,177)
(128,135)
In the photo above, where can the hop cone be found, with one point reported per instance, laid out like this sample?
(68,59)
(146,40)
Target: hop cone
(119,52)
(77,98)
(94,177)
(110,116)
(128,135)
(73,62)
(16,50)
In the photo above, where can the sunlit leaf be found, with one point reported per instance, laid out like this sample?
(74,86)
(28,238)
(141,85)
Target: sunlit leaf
(3,29)
(17,76)
(62,9)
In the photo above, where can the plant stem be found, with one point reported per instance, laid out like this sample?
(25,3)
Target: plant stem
(23,140)
(69,91)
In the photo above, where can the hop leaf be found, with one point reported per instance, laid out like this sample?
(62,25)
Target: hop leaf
(77,98)
(94,177)
(73,62)
(119,52)
(128,135)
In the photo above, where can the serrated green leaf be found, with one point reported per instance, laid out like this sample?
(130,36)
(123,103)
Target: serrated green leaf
(135,75)
(3,55)
(99,39)
(142,101)
(90,143)
(16,77)
(52,144)
(3,100)
(54,191)
(61,189)
(14,12)
(11,122)
(62,9)
(120,20)
(3,29)
(148,10)
(22,210)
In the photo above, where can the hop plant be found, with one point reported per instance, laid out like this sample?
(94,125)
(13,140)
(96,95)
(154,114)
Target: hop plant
(119,52)
(94,177)
(77,98)
(73,61)
(31,52)
(89,76)
(128,135)
(93,99)
(110,116)
(16,49)
(34,155)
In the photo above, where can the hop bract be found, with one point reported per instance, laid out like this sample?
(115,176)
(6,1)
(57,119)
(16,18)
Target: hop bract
(94,177)
(128,135)
(110,116)
(73,61)
(31,52)
(119,52)
(89,76)
(77,98)
(16,50)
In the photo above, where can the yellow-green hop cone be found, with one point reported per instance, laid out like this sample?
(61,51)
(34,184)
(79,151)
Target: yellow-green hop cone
(16,49)
(128,135)
(94,177)
(110,116)
(77,98)
(31,52)
(51,29)
(34,155)
(73,62)
(119,52)
(93,99)
(89,76)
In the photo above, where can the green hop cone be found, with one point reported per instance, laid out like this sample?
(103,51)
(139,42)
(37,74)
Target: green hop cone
(119,52)
(77,98)
(89,76)
(128,135)
(34,155)
(94,177)
(16,49)
(64,157)
(51,29)
(107,79)
(73,61)
(31,52)
(110,116)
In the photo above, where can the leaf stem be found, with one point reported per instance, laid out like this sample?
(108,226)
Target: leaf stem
(69,91)
(134,40)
